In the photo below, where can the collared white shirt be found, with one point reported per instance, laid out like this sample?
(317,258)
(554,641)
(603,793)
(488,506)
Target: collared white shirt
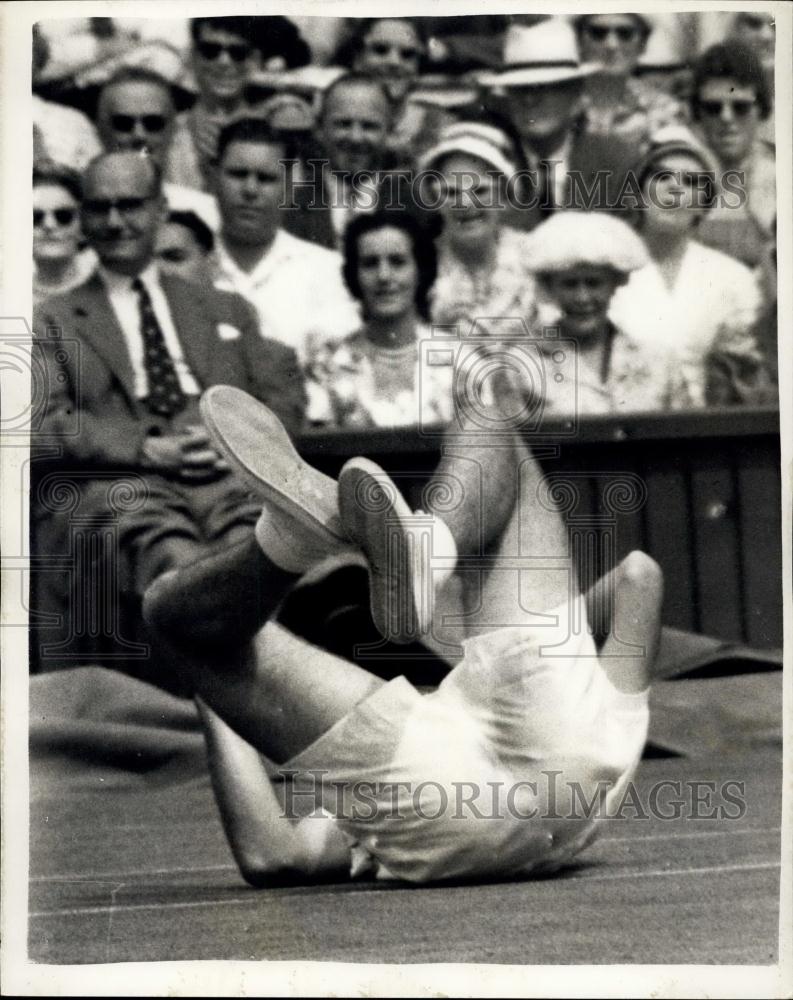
(297,290)
(126,305)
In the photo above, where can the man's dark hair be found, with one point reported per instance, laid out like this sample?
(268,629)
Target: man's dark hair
(422,244)
(241,26)
(203,234)
(253,130)
(351,79)
(644,26)
(734,61)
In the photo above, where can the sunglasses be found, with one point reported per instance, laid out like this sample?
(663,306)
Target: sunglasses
(382,49)
(715,109)
(63,216)
(127,123)
(212,50)
(600,32)
(126,206)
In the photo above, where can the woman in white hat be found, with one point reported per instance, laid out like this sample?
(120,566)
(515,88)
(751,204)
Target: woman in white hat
(482,261)
(690,296)
(589,365)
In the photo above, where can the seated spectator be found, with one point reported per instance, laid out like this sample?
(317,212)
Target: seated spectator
(63,135)
(222,58)
(580,259)
(483,268)
(184,247)
(149,344)
(542,84)
(755,29)
(353,127)
(372,378)
(295,287)
(731,100)
(689,296)
(393,50)
(730,380)
(135,110)
(615,101)
(59,263)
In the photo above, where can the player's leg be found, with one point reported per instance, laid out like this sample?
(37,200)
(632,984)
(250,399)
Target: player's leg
(625,605)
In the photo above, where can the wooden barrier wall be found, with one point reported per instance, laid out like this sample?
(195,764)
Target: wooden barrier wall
(699,491)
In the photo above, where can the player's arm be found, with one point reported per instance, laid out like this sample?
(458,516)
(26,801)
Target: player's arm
(268,847)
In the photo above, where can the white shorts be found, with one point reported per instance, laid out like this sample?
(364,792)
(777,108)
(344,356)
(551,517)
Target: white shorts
(493,774)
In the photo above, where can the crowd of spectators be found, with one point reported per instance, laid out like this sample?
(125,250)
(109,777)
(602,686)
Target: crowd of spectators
(306,208)
(269,145)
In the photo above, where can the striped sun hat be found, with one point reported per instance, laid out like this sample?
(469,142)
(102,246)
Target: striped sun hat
(486,142)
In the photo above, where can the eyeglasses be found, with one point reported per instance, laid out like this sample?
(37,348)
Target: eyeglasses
(62,216)
(383,49)
(125,206)
(211,50)
(715,109)
(600,32)
(126,123)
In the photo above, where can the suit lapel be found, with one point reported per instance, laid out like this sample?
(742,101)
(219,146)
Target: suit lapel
(97,322)
(195,328)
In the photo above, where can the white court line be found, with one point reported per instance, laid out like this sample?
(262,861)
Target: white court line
(254,897)
(744,831)
(114,876)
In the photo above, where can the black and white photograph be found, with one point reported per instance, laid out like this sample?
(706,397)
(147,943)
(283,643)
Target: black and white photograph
(396,550)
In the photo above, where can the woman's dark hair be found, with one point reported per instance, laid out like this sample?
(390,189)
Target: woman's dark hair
(272,35)
(735,61)
(422,244)
(352,46)
(49,172)
(196,225)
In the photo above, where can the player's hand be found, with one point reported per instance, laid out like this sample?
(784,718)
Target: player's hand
(200,460)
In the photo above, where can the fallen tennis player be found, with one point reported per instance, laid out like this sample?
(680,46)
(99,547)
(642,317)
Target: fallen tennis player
(493,774)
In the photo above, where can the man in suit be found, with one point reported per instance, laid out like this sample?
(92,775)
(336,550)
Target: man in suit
(128,354)
(541,91)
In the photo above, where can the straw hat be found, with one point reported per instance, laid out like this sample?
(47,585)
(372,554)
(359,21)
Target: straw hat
(540,54)
(571,238)
(486,142)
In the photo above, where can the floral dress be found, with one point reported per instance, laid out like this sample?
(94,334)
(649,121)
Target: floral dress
(508,291)
(356,383)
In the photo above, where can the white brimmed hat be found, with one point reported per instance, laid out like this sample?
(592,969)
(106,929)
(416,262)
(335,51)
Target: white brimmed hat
(571,238)
(486,142)
(539,54)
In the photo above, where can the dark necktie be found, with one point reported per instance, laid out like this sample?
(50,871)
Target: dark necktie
(165,393)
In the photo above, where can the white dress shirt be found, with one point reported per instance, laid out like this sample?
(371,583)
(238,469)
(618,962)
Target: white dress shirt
(126,305)
(297,290)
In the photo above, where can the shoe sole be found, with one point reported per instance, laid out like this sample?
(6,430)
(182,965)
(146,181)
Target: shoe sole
(257,445)
(374,514)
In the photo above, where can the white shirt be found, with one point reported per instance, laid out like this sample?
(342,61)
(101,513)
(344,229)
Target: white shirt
(297,290)
(559,165)
(714,301)
(126,305)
